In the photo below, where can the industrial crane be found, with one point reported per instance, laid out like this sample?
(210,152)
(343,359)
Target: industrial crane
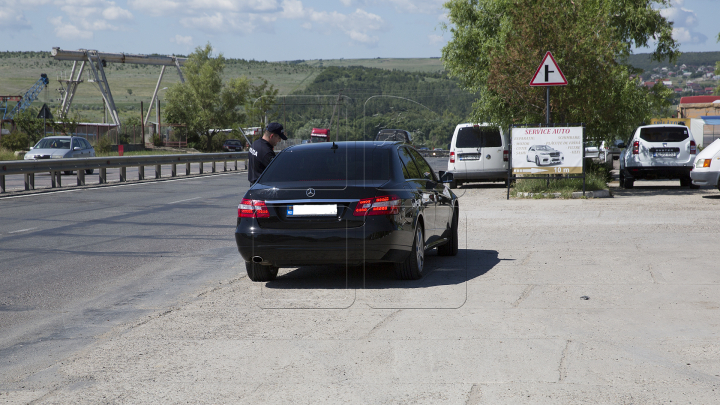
(24,101)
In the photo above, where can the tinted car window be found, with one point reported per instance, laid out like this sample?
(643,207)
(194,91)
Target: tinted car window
(343,164)
(411,172)
(483,137)
(392,136)
(664,134)
(423,165)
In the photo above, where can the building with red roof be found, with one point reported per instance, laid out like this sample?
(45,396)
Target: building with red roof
(697,106)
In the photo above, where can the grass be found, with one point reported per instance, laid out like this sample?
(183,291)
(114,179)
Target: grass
(596,178)
(6,154)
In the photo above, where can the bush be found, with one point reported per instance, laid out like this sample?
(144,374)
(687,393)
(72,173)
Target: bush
(15,141)
(157,140)
(104,144)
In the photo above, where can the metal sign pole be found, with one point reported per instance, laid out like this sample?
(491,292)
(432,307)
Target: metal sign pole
(547,105)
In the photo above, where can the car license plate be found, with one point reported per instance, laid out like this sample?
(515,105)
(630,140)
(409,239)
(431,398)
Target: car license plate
(311,210)
(664,154)
(469,156)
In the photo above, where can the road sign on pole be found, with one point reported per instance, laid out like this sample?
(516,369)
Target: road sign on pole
(548,73)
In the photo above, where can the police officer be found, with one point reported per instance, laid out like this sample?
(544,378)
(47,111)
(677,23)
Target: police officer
(261,151)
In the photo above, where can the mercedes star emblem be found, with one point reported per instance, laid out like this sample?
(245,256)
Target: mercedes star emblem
(310,192)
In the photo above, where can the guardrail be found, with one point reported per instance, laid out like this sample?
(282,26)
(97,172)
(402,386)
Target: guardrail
(28,168)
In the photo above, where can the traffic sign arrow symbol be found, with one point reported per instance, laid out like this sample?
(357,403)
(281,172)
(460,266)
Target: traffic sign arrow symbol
(548,73)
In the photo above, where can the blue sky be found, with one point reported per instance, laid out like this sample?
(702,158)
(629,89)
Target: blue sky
(272,30)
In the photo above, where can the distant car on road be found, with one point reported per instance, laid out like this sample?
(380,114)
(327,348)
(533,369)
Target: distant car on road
(61,147)
(232,145)
(544,155)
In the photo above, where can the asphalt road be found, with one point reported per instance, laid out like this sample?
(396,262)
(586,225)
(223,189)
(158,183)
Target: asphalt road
(78,262)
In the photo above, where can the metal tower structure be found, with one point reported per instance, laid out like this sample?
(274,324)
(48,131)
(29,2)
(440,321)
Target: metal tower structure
(97,61)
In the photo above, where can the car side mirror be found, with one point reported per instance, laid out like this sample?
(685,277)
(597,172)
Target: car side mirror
(77,148)
(32,147)
(447,177)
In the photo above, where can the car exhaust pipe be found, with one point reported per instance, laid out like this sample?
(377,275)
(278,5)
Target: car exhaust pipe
(257,259)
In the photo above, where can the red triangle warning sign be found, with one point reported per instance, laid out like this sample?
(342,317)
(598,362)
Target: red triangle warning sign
(548,73)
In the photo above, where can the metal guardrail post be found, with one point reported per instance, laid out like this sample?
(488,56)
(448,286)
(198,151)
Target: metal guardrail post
(58,178)
(123,174)
(187,169)
(141,172)
(53,181)
(213,167)
(2,183)
(235,165)
(103,175)
(158,171)
(201,167)
(29,181)
(81,177)
(174,170)
(225,166)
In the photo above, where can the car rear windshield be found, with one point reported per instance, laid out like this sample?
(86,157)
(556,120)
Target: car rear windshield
(482,137)
(53,143)
(664,134)
(326,164)
(390,136)
(232,143)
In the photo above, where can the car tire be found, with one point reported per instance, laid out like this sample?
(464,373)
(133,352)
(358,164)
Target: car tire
(89,171)
(453,184)
(537,161)
(413,266)
(451,247)
(260,272)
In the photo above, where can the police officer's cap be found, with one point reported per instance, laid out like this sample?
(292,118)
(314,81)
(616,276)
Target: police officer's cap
(275,128)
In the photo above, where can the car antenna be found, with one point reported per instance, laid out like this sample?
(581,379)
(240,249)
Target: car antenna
(334,146)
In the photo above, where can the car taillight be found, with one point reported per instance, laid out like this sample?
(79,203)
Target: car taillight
(506,155)
(452,157)
(384,205)
(693,148)
(253,209)
(636,147)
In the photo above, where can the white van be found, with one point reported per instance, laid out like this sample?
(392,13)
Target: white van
(478,152)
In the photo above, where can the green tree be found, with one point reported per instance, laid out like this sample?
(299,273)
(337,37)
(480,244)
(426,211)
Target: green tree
(262,97)
(204,103)
(498,44)
(28,123)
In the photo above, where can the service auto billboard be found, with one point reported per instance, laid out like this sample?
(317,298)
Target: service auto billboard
(547,150)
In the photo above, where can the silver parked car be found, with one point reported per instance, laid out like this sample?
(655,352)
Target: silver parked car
(61,147)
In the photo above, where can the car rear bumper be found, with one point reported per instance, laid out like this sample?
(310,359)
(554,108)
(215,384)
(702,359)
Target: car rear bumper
(705,178)
(373,242)
(480,175)
(658,172)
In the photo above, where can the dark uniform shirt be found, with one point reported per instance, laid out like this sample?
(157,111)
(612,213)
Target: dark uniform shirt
(260,155)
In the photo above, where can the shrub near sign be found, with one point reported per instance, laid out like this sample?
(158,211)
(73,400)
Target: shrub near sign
(547,150)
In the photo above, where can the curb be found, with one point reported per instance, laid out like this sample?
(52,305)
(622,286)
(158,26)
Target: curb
(576,194)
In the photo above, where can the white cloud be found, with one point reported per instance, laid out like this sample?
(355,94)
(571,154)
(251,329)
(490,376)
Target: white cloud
(69,31)
(402,6)
(685,23)
(13,20)
(359,26)
(116,13)
(435,40)
(192,7)
(181,40)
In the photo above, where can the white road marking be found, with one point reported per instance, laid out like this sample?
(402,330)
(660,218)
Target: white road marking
(189,199)
(22,230)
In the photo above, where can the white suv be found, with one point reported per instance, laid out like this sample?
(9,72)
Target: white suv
(478,152)
(658,152)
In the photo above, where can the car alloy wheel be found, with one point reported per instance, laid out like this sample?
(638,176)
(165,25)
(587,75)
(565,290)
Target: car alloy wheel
(412,267)
(419,250)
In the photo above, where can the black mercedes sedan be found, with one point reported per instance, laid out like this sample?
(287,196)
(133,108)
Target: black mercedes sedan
(346,203)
